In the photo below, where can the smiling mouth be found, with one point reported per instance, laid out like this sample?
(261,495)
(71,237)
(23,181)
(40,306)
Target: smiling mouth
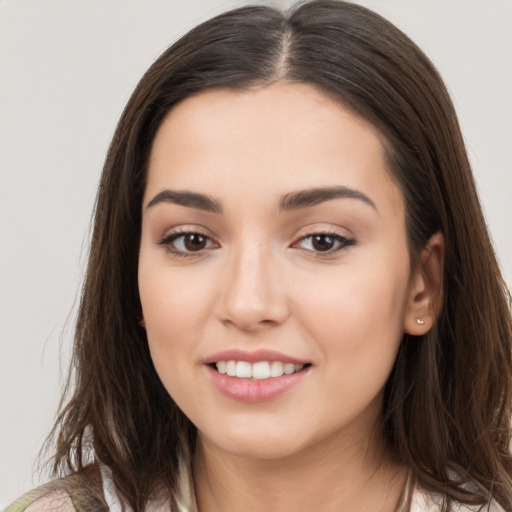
(260,370)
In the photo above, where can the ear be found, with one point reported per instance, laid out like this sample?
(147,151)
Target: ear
(426,288)
(141,320)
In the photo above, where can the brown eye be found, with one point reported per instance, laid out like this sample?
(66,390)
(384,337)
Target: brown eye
(185,244)
(194,242)
(324,243)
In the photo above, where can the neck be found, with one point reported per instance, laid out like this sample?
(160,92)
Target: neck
(338,474)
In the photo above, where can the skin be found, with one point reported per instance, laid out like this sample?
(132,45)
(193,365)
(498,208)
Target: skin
(258,281)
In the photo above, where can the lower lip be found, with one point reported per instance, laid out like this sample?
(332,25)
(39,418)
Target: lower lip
(252,391)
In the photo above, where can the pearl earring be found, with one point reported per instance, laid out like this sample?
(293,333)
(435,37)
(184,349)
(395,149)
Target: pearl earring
(420,321)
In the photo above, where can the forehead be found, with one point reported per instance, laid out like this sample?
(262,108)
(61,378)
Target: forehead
(278,138)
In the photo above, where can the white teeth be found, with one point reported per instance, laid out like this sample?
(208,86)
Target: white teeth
(259,371)
(289,368)
(231,368)
(276,369)
(243,370)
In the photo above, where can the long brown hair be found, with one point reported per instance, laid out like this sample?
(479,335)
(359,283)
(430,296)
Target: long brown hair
(447,405)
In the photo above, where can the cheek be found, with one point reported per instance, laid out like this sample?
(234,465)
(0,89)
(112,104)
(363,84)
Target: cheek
(357,326)
(172,299)
(357,311)
(171,328)
(175,306)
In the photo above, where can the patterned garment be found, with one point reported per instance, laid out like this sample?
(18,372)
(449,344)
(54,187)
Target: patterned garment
(68,495)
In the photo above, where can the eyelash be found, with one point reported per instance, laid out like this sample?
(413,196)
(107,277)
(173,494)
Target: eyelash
(168,241)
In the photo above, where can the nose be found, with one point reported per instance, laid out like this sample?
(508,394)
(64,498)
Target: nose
(253,295)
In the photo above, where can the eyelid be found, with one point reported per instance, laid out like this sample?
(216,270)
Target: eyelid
(183,229)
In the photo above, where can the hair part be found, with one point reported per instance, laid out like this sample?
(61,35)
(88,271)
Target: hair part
(448,400)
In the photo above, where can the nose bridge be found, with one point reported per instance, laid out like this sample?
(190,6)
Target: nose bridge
(253,296)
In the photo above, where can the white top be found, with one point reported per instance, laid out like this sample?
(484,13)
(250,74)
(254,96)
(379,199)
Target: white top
(54,498)
(421,500)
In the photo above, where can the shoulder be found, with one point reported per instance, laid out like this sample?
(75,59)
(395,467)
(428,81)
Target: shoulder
(49,497)
(426,501)
(79,492)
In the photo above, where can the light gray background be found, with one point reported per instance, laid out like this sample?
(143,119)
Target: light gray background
(66,71)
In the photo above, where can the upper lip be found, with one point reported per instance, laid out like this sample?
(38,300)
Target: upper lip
(252,356)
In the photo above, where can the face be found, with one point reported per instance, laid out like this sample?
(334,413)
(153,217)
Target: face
(274,273)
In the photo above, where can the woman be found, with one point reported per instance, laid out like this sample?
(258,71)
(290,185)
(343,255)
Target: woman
(291,302)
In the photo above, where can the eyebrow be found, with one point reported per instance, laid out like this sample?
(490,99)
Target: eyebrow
(314,196)
(187,198)
(289,202)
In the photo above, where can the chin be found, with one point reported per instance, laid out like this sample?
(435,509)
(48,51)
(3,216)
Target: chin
(262,451)
(261,445)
